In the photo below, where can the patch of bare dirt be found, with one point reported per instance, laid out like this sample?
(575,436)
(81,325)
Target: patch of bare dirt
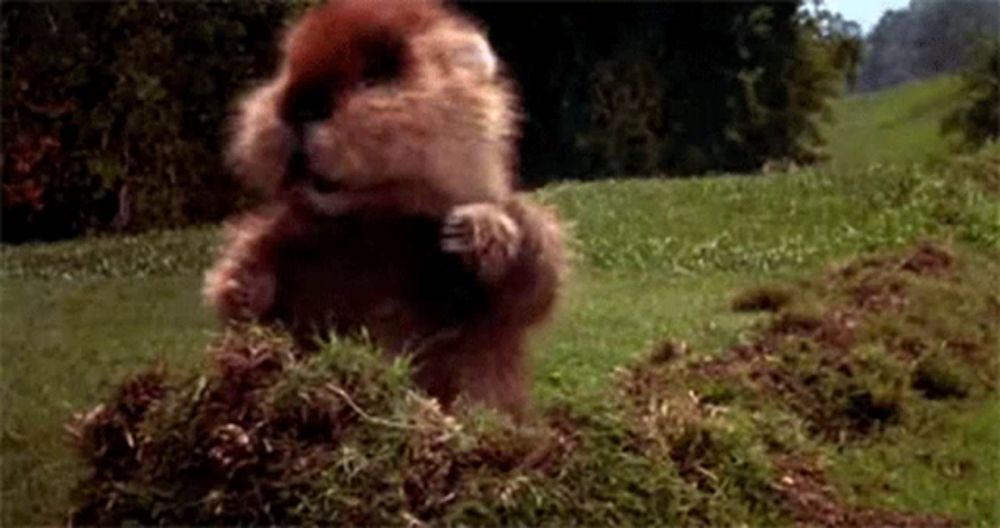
(928,258)
(762,299)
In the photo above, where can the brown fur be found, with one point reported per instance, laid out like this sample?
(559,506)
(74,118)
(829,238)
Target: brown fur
(385,147)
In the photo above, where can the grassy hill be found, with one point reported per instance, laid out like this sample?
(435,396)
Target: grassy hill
(897,125)
(658,261)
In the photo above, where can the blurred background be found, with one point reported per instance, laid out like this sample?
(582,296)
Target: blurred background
(113,112)
(752,176)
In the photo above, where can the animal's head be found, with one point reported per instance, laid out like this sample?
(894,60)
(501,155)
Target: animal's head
(380,94)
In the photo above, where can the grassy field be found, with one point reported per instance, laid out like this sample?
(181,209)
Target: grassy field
(656,260)
(896,125)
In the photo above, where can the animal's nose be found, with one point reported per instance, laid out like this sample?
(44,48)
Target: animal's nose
(303,114)
(298,161)
(306,105)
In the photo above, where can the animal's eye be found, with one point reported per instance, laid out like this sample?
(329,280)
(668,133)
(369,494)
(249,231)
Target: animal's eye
(383,59)
(381,68)
(308,105)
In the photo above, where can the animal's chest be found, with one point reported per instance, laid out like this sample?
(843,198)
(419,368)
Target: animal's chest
(386,275)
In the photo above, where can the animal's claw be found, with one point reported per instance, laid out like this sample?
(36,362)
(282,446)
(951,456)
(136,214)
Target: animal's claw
(483,235)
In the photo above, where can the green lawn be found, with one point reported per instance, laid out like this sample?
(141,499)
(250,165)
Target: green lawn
(655,259)
(64,344)
(952,465)
(897,125)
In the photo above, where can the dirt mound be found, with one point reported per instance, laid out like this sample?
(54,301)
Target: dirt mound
(859,349)
(267,436)
(266,433)
(929,259)
(849,352)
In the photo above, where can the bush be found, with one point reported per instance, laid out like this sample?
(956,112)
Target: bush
(977,119)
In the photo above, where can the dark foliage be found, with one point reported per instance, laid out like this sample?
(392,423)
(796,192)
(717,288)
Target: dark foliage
(113,112)
(977,118)
(666,87)
(121,128)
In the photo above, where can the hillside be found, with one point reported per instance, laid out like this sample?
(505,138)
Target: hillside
(897,125)
(658,262)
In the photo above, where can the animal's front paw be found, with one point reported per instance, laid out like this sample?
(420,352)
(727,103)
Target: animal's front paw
(239,293)
(484,236)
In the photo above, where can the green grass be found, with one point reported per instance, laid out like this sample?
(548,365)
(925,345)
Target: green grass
(656,260)
(65,343)
(951,464)
(897,125)
(662,441)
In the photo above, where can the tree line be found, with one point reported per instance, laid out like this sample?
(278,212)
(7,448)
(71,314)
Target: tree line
(113,113)
(927,38)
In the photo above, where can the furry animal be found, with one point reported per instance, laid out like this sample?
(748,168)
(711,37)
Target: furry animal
(384,147)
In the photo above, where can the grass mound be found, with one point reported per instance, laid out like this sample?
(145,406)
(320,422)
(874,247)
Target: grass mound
(864,346)
(268,436)
(885,343)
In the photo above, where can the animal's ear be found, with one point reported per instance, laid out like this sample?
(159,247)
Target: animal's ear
(473,55)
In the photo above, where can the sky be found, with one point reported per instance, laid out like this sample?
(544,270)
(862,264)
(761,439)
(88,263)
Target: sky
(864,12)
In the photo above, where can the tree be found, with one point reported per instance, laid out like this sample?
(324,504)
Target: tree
(930,37)
(122,128)
(672,87)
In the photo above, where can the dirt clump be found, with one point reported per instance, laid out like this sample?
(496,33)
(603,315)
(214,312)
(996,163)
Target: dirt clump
(762,299)
(929,259)
(926,258)
(668,351)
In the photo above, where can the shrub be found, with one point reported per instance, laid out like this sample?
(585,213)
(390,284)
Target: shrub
(977,118)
